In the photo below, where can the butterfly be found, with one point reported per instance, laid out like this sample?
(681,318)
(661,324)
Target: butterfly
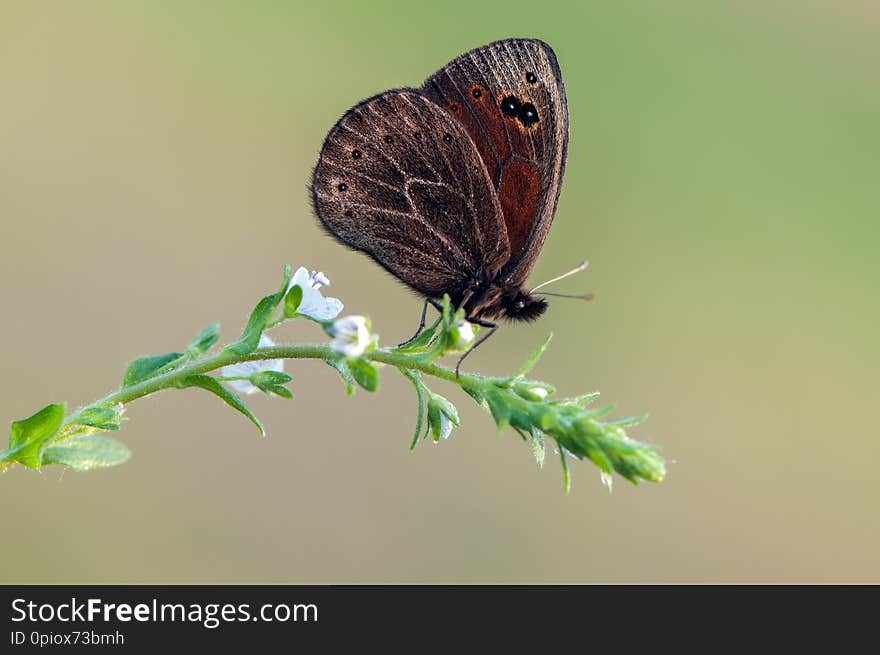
(452,187)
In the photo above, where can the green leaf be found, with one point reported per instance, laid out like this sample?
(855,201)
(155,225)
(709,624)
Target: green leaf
(416,379)
(292,300)
(548,421)
(447,408)
(438,409)
(524,417)
(365,374)
(250,337)
(102,418)
(599,458)
(286,275)
(422,340)
(475,393)
(208,383)
(530,364)
(446,311)
(143,368)
(341,365)
(599,411)
(263,379)
(633,459)
(577,401)
(500,409)
(278,390)
(85,452)
(434,419)
(29,436)
(629,422)
(204,340)
(566,475)
(271,382)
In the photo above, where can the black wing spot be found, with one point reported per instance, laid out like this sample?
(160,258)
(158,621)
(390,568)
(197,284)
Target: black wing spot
(342,186)
(510,107)
(356,154)
(531,78)
(418,136)
(476,92)
(349,213)
(528,115)
(447,138)
(453,107)
(388,139)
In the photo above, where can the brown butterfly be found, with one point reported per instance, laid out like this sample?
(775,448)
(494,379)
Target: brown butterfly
(452,187)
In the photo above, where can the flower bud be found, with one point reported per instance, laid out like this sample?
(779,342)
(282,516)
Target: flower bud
(461,334)
(442,416)
(351,336)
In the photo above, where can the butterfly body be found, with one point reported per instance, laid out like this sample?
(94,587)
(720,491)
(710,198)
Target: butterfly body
(486,300)
(452,187)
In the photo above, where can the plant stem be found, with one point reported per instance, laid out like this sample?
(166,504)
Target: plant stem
(170,379)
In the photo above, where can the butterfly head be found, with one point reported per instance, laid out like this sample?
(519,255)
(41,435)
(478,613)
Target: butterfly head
(520,306)
(488,300)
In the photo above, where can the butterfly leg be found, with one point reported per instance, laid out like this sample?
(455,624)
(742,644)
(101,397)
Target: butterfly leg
(486,324)
(422,321)
(418,329)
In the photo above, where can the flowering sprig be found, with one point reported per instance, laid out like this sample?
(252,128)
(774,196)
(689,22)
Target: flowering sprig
(253,363)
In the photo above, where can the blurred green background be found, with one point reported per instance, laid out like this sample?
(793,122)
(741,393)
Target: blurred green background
(722,180)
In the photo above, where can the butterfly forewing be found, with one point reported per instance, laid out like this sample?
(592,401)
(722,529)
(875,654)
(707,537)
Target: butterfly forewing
(401,180)
(510,98)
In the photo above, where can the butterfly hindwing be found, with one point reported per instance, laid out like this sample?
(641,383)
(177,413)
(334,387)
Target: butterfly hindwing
(510,98)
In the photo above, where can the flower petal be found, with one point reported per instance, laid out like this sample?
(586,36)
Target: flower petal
(246,369)
(462,333)
(300,278)
(313,303)
(445,426)
(322,309)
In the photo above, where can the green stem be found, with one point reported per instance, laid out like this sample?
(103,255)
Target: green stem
(170,379)
(512,401)
(575,429)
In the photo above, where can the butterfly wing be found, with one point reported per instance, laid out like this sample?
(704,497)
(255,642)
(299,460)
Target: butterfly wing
(510,97)
(401,180)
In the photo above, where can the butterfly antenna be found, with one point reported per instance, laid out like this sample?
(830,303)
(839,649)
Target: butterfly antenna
(580,267)
(582,296)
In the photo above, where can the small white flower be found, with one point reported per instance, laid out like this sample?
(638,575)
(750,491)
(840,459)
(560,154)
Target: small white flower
(462,335)
(246,369)
(313,303)
(351,336)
